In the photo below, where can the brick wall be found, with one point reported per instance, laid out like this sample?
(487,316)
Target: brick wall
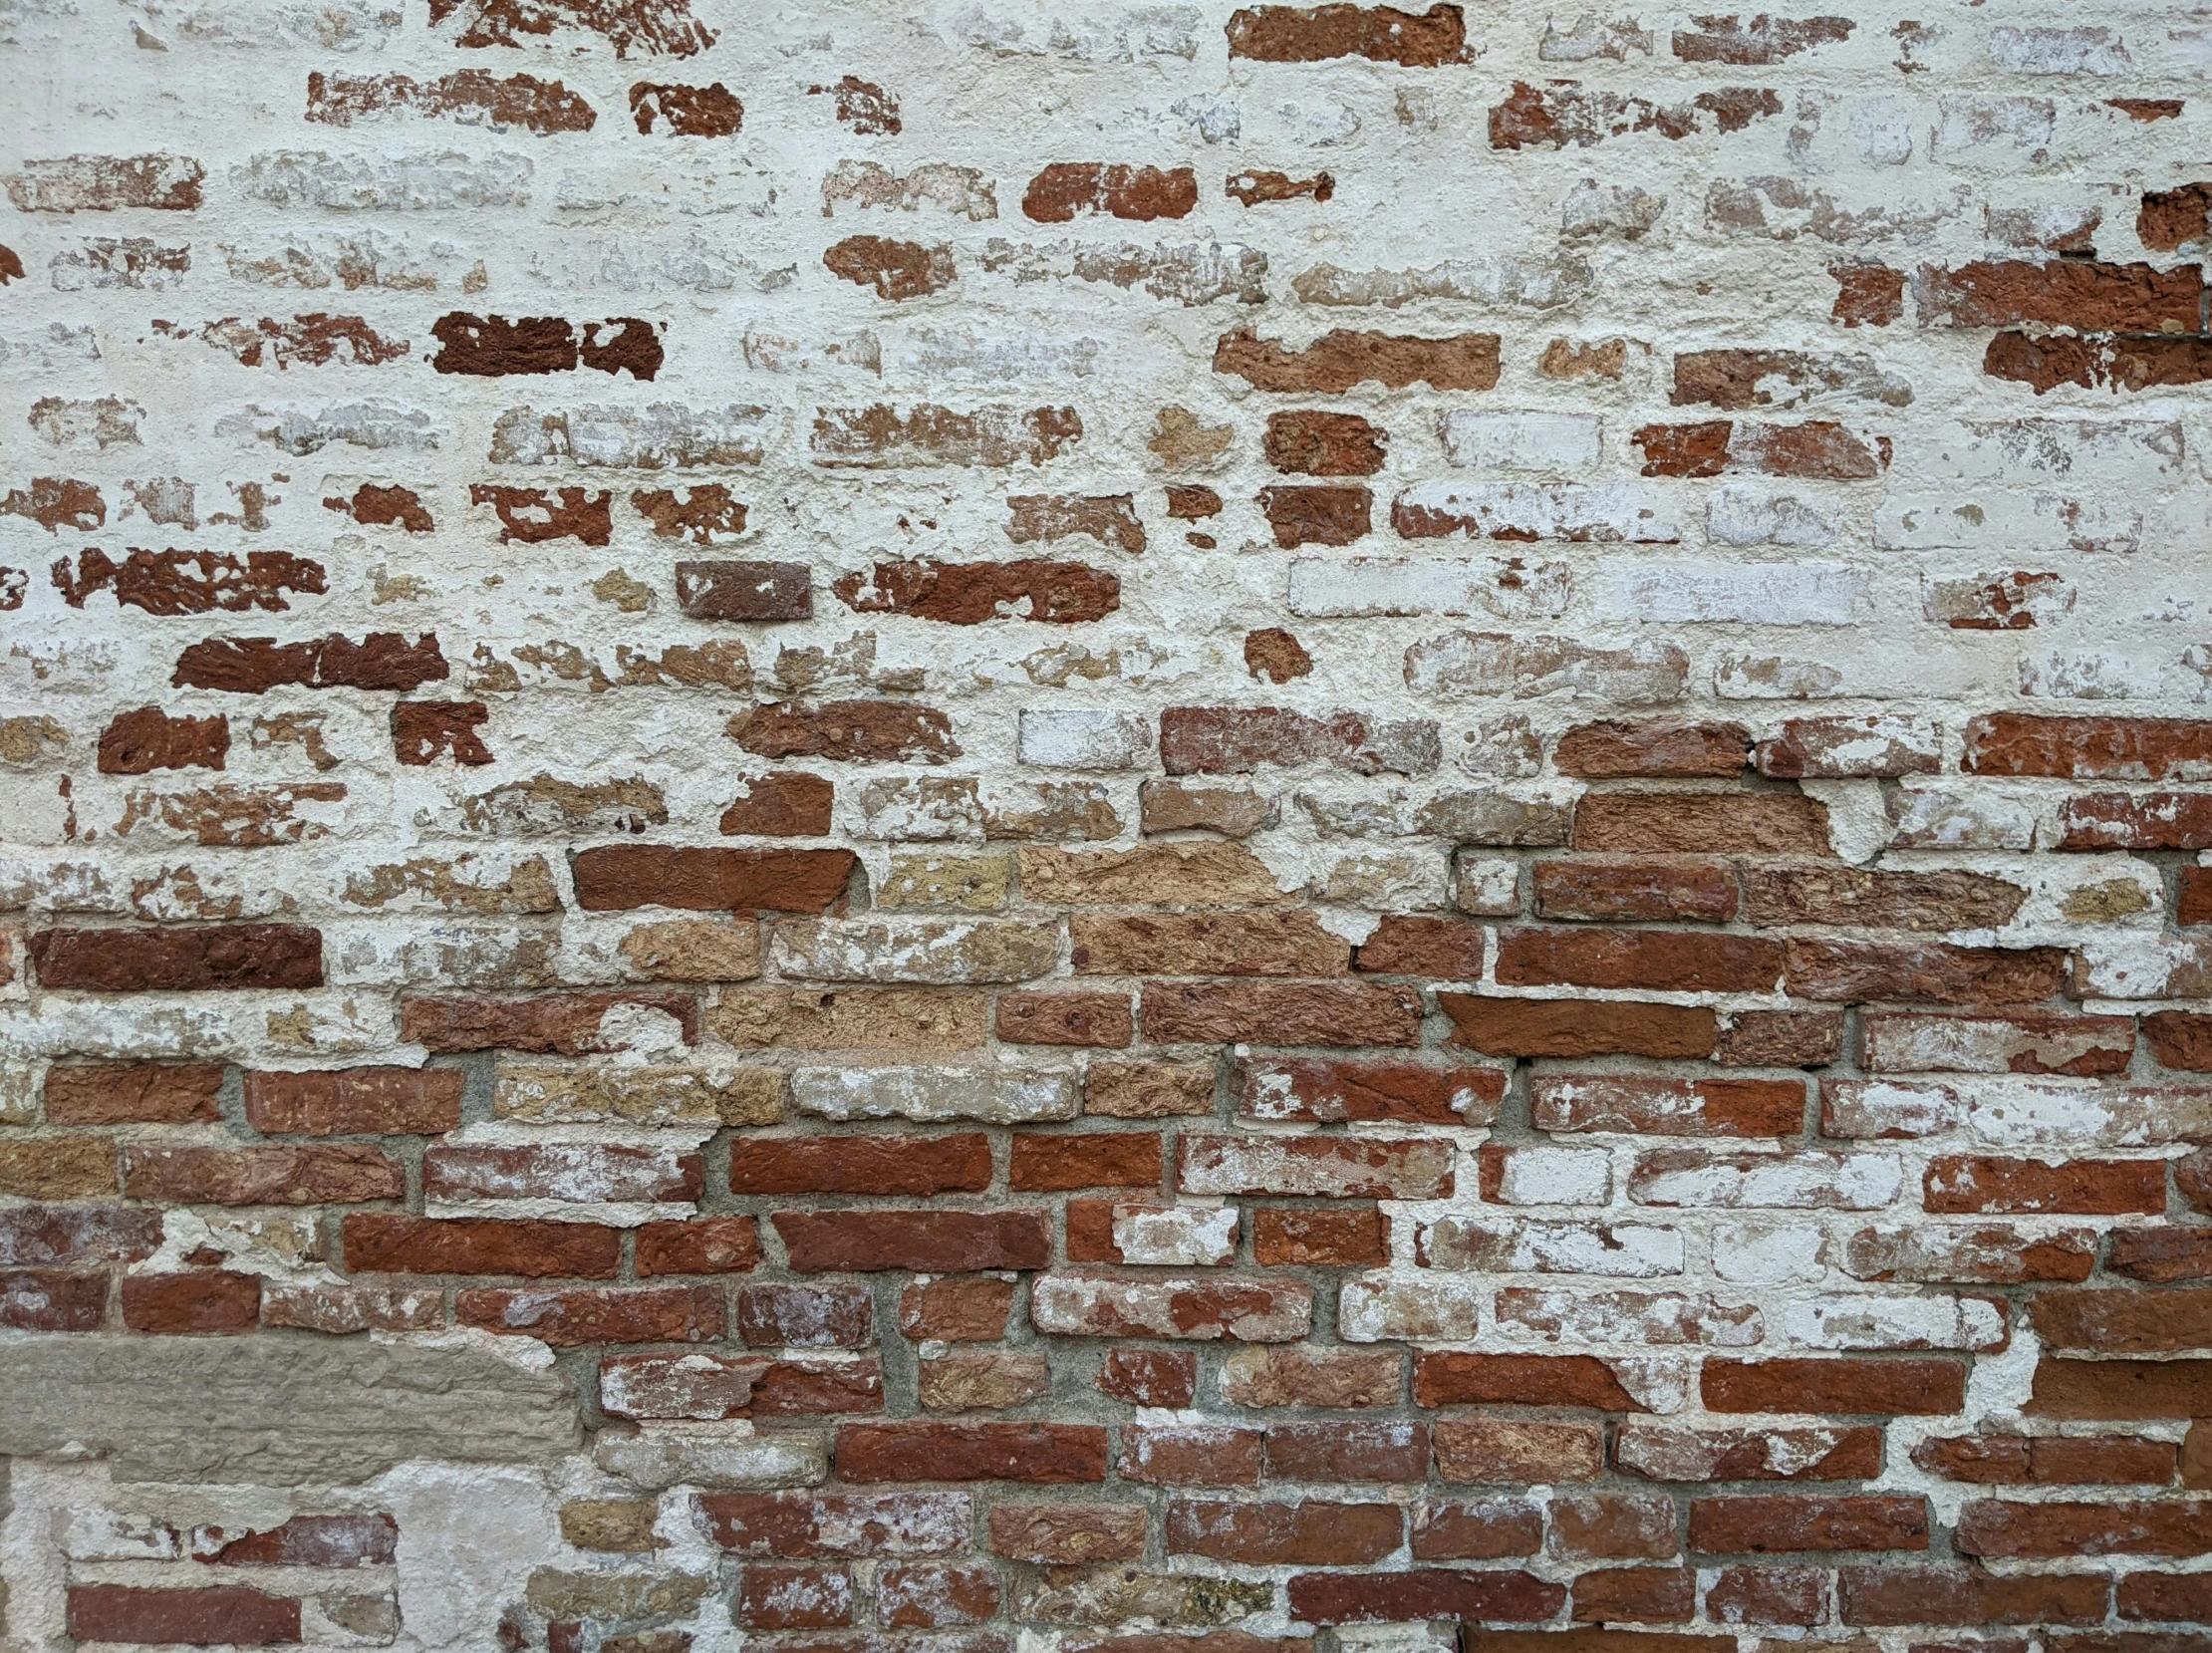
(1104,828)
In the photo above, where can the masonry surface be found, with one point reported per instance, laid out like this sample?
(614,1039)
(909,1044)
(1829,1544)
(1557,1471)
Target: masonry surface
(1003,828)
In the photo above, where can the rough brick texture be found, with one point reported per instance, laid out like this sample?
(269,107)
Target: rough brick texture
(1105,826)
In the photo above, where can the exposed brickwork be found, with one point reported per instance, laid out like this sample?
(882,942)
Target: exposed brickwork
(1105,827)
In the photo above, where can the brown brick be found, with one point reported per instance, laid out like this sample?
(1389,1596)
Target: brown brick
(1622,887)
(57,1168)
(968,594)
(1190,1455)
(1851,971)
(578,1318)
(782,1314)
(561,1024)
(200,959)
(847,731)
(1636,1595)
(1316,514)
(1701,823)
(1034,1452)
(1147,1377)
(1665,960)
(1068,1534)
(956,1310)
(1311,442)
(1854,896)
(1099,1021)
(46,1299)
(937,1242)
(1309,1534)
(1381,34)
(1376,1598)
(2005,1531)
(1324,1090)
(1204,944)
(1056,194)
(1767,1595)
(1445,949)
(1656,748)
(337,1174)
(1339,360)
(786,803)
(1756,1526)
(1578,1027)
(225,1615)
(1512,1453)
(1307,1012)
(133,1093)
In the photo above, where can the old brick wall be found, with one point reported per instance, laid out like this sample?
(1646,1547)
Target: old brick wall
(1105,828)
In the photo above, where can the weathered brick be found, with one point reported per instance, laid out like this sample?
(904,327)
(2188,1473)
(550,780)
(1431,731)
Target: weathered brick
(138,1093)
(201,958)
(377,1244)
(356,1101)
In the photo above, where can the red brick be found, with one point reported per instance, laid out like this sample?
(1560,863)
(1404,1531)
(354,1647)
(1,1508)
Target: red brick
(1615,889)
(624,876)
(1612,1526)
(2180,1039)
(1099,1021)
(559,1025)
(201,1300)
(2123,1321)
(968,594)
(339,1174)
(1033,1452)
(711,110)
(1446,1379)
(937,1243)
(1817,448)
(937,1597)
(256,664)
(572,1319)
(1966,1595)
(802,1524)
(314,1541)
(2192,898)
(794,1598)
(1067,1535)
(1561,112)
(1376,1598)
(2089,297)
(1190,1455)
(1149,1377)
(1327,1091)
(2136,821)
(396,1245)
(725,588)
(1756,1526)
(2162,1254)
(1309,1534)
(703,1245)
(1958,1183)
(1926,972)
(1767,1595)
(2049,1460)
(2120,1389)
(1850,1388)
(355,1101)
(896,270)
(1348,1451)
(38,1236)
(1656,748)
(1668,1107)
(422,731)
(51,1301)
(133,1093)
(1671,961)
(2089,748)
(220,1615)
(1098,1158)
(200,959)
(876,1162)
(2164,1596)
